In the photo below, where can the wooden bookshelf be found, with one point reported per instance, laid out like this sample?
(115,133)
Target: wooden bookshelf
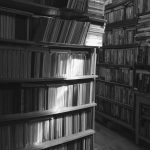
(48,74)
(113,59)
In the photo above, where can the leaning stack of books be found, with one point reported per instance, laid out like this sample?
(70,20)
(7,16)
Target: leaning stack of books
(94,35)
(143,29)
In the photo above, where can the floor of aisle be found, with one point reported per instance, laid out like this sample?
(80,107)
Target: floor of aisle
(106,139)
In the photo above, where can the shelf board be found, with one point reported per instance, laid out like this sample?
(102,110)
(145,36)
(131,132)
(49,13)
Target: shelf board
(18,42)
(115,102)
(41,114)
(37,80)
(126,125)
(60,141)
(144,139)
(120,24)
(125,46)
(44,44)
(114,66)
(113,5)
(65,45)
(114,83)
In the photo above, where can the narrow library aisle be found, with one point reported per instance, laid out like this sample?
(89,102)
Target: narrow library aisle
(106,139)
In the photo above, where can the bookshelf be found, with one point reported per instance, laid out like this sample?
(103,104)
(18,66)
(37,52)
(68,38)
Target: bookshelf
(142,70)
(48,73)
(115,65)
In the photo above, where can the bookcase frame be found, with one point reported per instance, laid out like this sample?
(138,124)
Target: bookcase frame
(29,10)
(123,24)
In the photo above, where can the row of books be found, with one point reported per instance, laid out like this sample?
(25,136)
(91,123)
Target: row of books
(143,30)
(119,13)
(96,7)
(145,129)
(115,93)
(143,55)
(32,97)
(31,133)
(145,110)
(119,36)
(7,26)
(120,56)
(79,5)
(82,144)
(123,75)
(114,15)
(27,63)
(51,30)
(62,31)
(143,6)
(115,111)
(142,79)
(13,26)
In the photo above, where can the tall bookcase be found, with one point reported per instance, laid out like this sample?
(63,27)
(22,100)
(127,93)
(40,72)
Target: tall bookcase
(47,73)
(115,66)
(142,74)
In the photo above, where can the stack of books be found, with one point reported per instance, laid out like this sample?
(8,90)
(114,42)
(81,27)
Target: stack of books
(95,35)
(143,29)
